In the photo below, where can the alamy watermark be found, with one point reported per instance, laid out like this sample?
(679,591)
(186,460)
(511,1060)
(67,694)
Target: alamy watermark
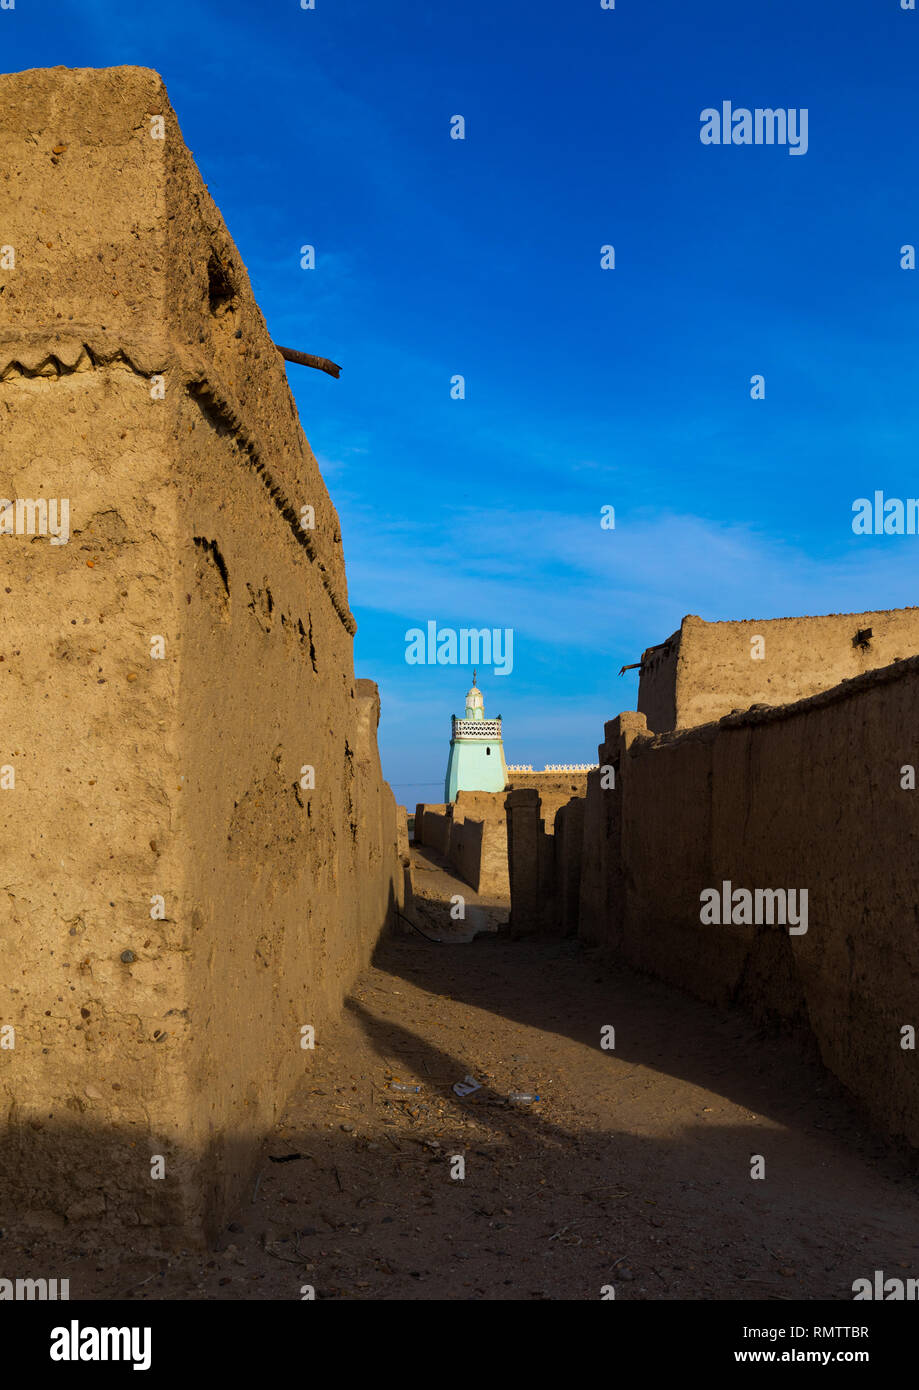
(37,1290)
(892,1290)
(893,516)
(466,646)
(754,907)
(83,1343)
(36,516)
(761,126)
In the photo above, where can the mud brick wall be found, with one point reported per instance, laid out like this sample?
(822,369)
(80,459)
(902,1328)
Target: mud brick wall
(465,850)
(546,863)
(806,796)
(432,827)
(534,868)
(525,858)
(568,841)
(472,836)
(479,853)
(179,898)
(601,884)
(706,670)
(494,881)
(555,789)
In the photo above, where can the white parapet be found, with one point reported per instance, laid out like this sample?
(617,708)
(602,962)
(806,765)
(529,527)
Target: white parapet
(553,767)
(477,728)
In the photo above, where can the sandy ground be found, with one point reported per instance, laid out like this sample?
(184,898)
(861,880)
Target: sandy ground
(632,1170)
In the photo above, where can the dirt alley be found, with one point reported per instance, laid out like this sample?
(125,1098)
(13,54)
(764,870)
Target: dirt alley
(633,1169)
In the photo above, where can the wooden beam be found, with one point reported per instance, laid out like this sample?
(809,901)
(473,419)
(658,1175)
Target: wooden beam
(306,359)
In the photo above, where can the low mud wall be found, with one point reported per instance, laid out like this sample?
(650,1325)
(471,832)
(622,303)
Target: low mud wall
(700,838)
(471,835)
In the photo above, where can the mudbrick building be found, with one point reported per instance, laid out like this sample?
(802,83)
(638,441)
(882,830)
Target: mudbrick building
(706,670)
(746,780)
(198,849)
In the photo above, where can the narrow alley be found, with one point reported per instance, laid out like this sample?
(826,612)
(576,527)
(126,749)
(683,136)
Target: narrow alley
(632,1169)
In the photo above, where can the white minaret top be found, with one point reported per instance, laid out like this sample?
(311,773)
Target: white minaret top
(475,702)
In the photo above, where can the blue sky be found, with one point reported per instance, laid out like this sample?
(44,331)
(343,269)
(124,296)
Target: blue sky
(584,387)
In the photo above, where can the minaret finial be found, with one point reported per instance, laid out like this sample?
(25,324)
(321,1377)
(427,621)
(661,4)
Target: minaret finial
(473,675)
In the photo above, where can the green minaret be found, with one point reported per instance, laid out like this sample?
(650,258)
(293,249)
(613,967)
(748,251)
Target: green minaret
(476,761)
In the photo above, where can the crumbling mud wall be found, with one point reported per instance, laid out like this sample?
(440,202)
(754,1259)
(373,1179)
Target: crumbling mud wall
(432,826)
(657,682)
(706,670)
(471,832)
(198,850)
(471,835)
(554,788)
(815,796)
(544,862)
(466,842)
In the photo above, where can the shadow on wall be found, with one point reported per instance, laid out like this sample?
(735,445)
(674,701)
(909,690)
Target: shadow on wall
(472,846)
(89,1180)
(544,864)
(803,799)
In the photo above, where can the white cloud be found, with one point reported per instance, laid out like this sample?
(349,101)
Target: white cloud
(564,581)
